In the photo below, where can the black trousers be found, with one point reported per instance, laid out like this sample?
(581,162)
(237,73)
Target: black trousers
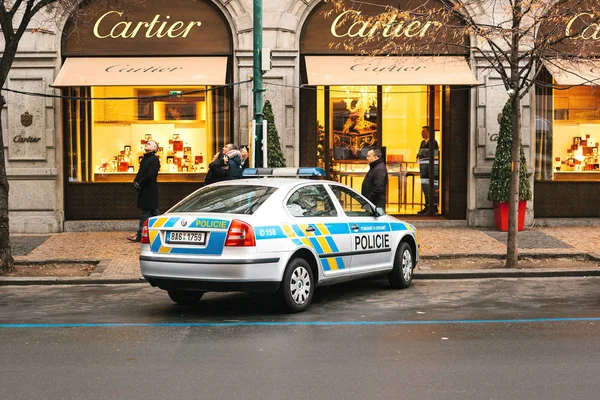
(424,175)
(145,215)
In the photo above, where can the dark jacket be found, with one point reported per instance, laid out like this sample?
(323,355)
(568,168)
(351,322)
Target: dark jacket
(375,184)
(216,171)
(423,154)
(235,165)
(146,180)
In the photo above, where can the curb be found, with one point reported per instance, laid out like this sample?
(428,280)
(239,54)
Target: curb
(522,255)
(421,275)
(506,273)
(85,280)
(96,278)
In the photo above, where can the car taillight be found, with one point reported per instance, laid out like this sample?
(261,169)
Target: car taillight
(240,234)
(145,237)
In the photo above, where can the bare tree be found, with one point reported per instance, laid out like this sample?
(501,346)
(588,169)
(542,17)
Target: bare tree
(15,17)
(516,38)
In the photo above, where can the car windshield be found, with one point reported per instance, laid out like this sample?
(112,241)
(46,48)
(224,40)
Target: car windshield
(232,199)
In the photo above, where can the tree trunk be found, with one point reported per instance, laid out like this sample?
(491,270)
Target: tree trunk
(6,259)
(512,248)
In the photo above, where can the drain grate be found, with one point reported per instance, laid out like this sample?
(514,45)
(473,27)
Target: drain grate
(532,240)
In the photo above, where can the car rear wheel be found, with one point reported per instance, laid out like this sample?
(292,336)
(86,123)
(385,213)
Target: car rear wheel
(185,297)
(404,263)
(297,286)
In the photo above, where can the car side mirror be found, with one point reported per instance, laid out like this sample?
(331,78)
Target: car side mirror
(379,211)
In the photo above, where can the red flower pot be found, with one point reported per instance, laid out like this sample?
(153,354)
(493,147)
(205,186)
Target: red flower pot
(501,215)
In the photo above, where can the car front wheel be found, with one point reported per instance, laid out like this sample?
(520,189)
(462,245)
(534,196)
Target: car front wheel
(297,286)
(404,263)
(185,297)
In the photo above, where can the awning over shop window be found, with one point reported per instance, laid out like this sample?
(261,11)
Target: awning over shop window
(147,71)
(353,70)
(574,73)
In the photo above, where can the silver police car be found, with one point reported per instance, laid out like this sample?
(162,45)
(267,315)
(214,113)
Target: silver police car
(283,235)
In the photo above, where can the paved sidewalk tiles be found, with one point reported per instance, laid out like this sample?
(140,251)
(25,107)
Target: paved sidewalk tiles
(118,258)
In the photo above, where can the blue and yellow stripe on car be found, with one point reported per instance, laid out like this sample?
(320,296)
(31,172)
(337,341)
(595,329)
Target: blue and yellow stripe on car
(321,240)
(399,226)
(162,222)
(215,236)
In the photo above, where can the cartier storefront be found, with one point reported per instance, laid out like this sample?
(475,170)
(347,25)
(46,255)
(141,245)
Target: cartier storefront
(383,100)
(156,71)
(567,133)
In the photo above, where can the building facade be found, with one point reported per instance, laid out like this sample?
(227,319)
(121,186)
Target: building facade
(180,75)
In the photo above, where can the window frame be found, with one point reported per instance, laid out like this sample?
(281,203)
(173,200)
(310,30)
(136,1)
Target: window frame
(324,192)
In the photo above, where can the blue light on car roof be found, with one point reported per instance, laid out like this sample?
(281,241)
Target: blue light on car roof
(311,171)
(284,172)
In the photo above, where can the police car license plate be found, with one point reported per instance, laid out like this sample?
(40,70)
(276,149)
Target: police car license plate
(186,237)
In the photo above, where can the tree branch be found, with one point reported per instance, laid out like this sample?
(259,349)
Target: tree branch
(24,20)
(15,8)
(40,5)
(6,23)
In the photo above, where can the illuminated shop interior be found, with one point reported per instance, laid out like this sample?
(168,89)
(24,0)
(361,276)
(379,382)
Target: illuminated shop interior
(107,134)
(568,133)
(354,126)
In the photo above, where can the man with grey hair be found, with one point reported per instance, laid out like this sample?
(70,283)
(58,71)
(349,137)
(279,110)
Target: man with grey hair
(145,183)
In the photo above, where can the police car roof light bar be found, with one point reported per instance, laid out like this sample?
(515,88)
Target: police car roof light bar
(284,172)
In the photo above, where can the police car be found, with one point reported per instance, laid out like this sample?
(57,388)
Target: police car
(285,235)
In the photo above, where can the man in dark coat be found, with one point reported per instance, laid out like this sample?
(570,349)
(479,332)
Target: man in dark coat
(374,186)
(147,187)
(217,169)
(423,160)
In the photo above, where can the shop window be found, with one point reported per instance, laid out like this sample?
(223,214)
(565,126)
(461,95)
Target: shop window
(107,127)
(567,133)
(390,118)
(354,121)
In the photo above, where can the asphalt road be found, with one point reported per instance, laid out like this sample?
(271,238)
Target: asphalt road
(463,339)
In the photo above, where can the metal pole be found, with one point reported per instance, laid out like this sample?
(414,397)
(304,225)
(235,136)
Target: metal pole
(258,89)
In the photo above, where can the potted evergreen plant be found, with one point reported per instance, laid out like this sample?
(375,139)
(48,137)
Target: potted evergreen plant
(275,156)
(499,191)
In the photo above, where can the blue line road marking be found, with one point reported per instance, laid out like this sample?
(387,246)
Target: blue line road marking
(300,323)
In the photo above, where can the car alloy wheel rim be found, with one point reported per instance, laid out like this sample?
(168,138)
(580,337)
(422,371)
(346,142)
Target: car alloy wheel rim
(300,285)
(407,265)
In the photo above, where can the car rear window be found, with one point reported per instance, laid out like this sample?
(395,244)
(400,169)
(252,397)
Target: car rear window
(233,199)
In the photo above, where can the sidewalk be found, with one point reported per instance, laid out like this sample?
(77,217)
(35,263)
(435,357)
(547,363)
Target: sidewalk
(446,252)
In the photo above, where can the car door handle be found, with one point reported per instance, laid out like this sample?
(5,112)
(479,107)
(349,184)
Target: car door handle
(310,229)
(354,227)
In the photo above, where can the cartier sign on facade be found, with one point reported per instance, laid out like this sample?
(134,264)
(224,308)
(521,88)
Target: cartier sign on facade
(389,28)
(152,27)
(328,31)
(106,27)
(588,26)
(575,26)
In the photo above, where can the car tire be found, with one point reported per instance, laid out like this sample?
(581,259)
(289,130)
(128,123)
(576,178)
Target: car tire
(298,285)
(185,297)
(404,262)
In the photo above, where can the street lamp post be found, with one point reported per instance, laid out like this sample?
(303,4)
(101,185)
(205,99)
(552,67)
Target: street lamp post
(257,79)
